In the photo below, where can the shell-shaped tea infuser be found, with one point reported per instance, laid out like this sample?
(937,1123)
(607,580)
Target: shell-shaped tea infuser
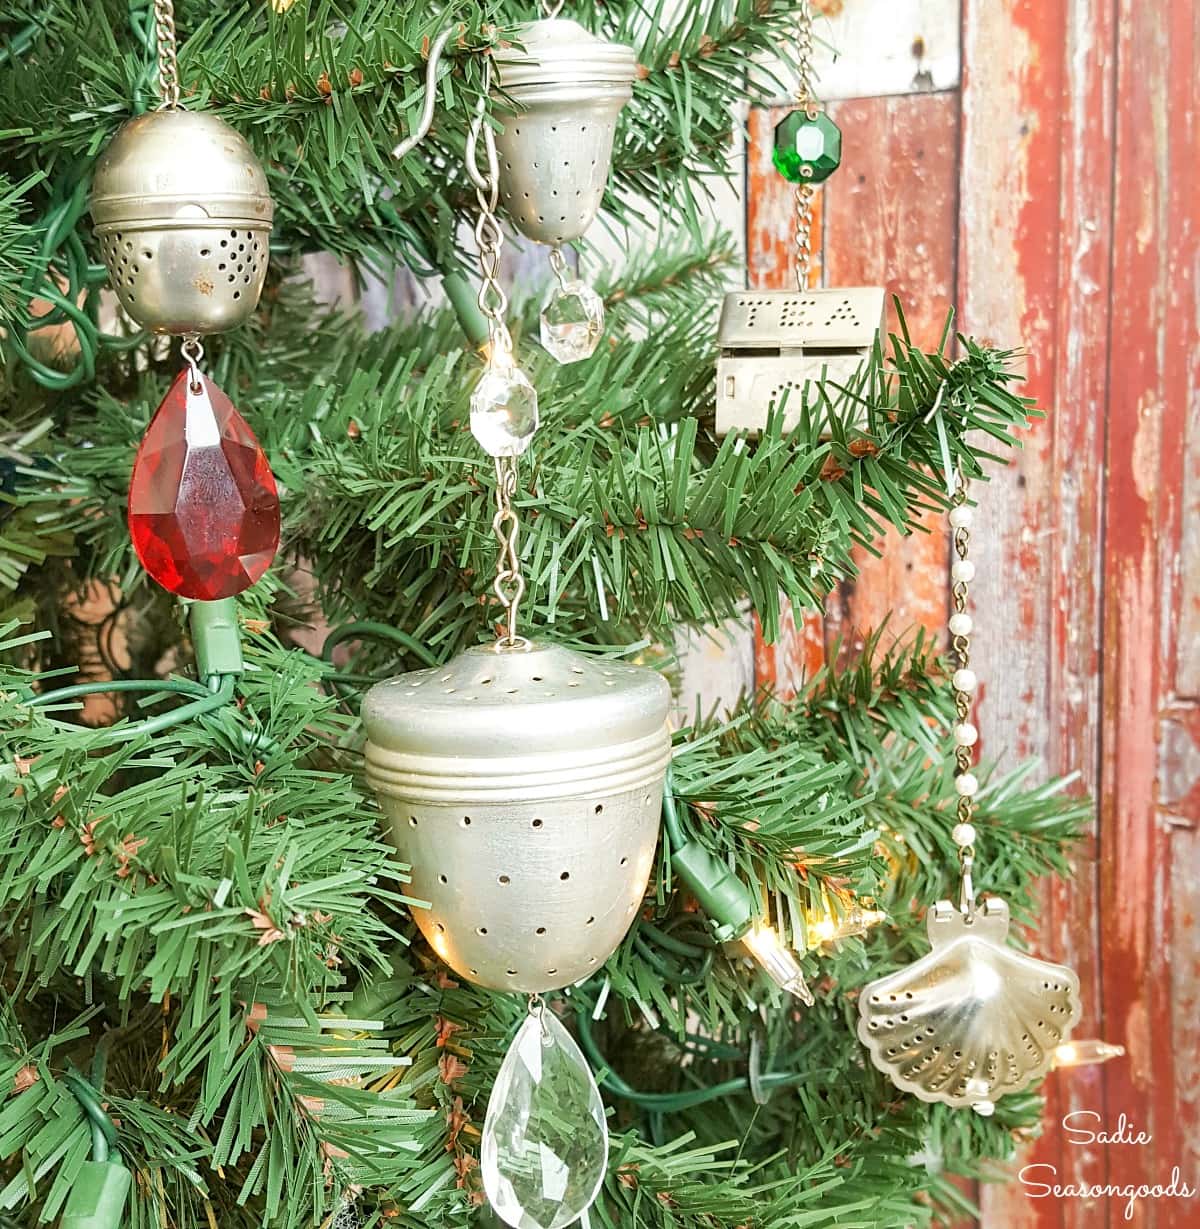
(972,1020)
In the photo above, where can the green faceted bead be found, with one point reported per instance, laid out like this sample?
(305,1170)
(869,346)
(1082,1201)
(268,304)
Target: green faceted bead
(807,150)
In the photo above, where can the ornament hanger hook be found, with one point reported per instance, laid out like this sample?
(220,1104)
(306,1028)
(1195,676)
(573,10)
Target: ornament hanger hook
(432,65)
(193,353)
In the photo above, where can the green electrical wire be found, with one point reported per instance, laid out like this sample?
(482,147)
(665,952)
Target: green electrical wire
(219,693)
(104,1133)
(376,631)
(671,1102)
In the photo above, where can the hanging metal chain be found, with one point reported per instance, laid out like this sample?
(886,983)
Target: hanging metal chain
(489,235)
(804,211)
(168,63)
(963,682)
(509,585)
(806,99)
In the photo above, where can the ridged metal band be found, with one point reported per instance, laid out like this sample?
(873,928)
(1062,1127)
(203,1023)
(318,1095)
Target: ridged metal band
(454,780)
(164,213)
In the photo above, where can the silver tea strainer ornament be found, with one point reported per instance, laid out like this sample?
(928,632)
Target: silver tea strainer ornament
(182,211)
(559,91)
(523,784)
(974,1019)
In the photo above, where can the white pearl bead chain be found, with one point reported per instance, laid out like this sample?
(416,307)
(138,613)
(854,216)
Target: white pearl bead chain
(965,684)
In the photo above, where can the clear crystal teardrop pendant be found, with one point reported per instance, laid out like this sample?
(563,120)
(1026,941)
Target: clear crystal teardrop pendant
(572,320)
(545,1144)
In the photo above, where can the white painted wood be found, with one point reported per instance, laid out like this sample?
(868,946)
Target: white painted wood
(868,48)
(716,667)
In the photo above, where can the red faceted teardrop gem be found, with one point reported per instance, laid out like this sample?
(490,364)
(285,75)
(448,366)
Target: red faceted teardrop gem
(203,509)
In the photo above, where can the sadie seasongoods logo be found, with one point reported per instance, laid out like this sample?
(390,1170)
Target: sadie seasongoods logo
(1087,1127)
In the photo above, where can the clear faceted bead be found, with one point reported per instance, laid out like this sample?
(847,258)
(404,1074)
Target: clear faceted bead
(572,322)
(545,1146)
(504,411)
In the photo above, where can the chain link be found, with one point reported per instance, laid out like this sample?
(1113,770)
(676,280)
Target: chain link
(804,210)
(963,755)
(168,50)
(489,235)
(509,585)
(806,99)
(193,355)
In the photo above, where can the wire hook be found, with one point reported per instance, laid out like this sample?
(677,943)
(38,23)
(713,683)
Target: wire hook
(431,70)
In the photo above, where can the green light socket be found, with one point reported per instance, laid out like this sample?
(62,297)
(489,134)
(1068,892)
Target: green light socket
(721,894)
(216,637)
(98,1195)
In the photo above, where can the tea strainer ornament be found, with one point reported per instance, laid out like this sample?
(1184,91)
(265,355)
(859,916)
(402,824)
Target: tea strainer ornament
(523,784)
(974,1019)
(777,346)
(559,92)
(181,208)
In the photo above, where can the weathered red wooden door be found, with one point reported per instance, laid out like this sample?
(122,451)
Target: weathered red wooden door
(1049,192)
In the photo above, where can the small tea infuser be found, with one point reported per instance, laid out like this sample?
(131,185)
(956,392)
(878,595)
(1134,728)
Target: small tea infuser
(974,1019)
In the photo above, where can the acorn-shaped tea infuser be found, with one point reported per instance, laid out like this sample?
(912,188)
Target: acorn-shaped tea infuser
(181,208)
(974,1018)
(559,91)
(523,784)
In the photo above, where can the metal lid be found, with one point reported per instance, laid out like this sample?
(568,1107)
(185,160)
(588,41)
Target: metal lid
(492,702)
(842,317)
(182,167)
(558,50)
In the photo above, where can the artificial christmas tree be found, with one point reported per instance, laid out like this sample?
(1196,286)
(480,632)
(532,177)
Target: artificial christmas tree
(211,968)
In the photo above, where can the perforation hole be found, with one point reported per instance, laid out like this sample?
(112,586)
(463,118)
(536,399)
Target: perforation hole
(465,821)
(565,876)
(541,930)
(537,823)
(505,880)
(443,880)
(481,930)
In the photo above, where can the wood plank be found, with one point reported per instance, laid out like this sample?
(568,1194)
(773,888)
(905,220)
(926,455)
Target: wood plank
(1152,388)
(868,48)
(1036,160)
(891,217)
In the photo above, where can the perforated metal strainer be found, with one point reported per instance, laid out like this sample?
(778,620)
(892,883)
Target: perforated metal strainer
(560,92)
(183,215)
(524,788)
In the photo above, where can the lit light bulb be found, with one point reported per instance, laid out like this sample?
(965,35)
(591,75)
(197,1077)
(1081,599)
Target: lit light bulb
(779,964)
(1084,1053)
(855,921)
